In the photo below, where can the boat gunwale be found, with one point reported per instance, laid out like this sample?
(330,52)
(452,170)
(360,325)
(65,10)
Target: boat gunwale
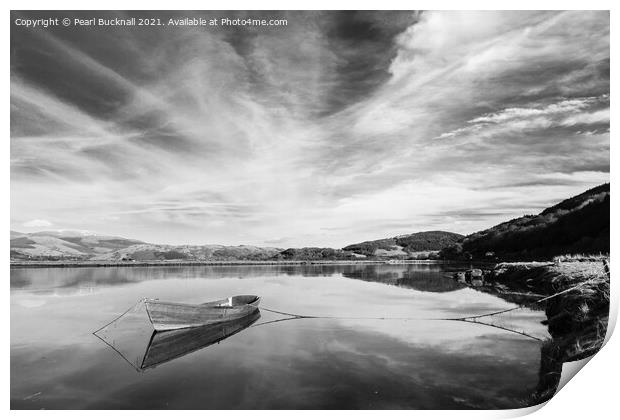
(227,313)
(255,302)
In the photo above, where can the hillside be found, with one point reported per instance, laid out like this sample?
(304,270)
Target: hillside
(406,246)
(84,246)
(579,224)
(150,252)
(77,245)
(64,244)
(315,254)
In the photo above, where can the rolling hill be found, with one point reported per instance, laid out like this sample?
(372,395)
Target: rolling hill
(150,252)
(406,246)
(315,254)
(82,246)
(64,244)
(579,224)
(77,245)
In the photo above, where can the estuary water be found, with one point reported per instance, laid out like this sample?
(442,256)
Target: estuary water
(384,337)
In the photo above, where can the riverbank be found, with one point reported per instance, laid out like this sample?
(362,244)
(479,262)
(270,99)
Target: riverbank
(576,299)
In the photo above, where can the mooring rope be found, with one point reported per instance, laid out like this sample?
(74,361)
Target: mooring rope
(500,327)
(466,319)
(288,314)
(116,350)
(533,303)
(297,316)
(472,318)
(118,317)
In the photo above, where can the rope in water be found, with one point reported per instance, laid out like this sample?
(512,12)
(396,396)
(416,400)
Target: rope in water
(472,319)
(383,318)
(287,314)
(433,319)
(533,303)
(119,317)
(295,316)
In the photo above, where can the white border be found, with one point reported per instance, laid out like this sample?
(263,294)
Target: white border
(592,395)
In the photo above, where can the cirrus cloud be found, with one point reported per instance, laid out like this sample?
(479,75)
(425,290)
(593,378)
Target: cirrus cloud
(339,127)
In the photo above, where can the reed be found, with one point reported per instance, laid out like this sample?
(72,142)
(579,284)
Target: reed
(577,303)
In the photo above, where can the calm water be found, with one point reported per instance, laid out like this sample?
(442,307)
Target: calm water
(347,362)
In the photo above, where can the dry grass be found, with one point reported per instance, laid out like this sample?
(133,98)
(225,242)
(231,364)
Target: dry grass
(581,257)
(577,298)
(577,307)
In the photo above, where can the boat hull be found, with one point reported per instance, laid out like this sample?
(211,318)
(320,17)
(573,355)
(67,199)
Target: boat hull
(169,345)
(173,316)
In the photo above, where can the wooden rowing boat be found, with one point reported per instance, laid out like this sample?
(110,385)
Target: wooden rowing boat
(173,316)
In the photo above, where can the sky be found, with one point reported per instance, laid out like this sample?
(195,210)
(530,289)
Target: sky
(336,128)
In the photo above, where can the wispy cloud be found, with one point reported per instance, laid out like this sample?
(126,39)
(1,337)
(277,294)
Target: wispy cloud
(339,127)
(37,223)
(568,112)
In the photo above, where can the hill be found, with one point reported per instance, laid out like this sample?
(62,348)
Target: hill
(406,246)
(80,245)
(84,246)
(579,224)
(64,244)
(150,252)
(315,254)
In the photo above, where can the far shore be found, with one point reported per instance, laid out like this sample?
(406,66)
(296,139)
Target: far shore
(51,264)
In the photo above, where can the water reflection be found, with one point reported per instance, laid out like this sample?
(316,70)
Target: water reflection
(144,348)
(56,362)
(425,278)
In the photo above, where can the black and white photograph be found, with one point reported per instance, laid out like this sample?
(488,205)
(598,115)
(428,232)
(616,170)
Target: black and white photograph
(306,209)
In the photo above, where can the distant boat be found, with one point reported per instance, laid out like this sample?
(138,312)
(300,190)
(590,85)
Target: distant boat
(167,316)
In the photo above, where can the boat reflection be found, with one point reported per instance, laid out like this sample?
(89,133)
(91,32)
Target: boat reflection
(165,346)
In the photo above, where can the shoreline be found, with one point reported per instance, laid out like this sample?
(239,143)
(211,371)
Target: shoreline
(69,264)
(577,305)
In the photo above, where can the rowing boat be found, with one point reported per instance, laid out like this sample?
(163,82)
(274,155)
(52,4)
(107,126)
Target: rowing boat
(173,316)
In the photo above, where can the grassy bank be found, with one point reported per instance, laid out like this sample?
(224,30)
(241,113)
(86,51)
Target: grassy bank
(576,302)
